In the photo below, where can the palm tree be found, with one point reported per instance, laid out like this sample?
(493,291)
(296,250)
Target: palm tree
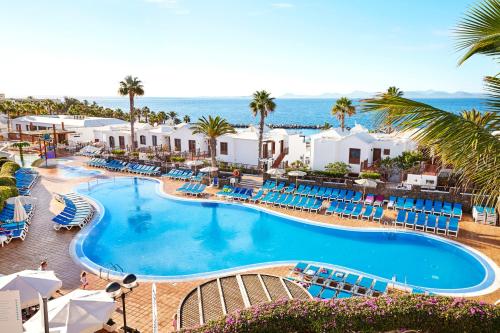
(172,115)
(146,112)
(187,119)
(479,30)
(161,116)
(466,141)
(262,104)
(342,108)
(212,128)
(394,91)
(132,87)
(21,145)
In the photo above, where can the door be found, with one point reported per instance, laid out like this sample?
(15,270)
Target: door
(377,155)
(192,146)
(282,146)
(121,142)
(265,151)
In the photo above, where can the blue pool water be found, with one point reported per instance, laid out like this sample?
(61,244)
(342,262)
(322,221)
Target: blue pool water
(70,171)
(149,234)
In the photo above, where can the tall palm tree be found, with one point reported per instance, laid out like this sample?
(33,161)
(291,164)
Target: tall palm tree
(262,104)
(466,141)
(145,112)
(187,119)
(172,115)
(212,128)
(342,108)
(132,87)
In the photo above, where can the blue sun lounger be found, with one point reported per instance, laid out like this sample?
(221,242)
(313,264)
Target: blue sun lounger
(410,220)
(280,187)
(348,210)
(356,213)
(323,275)
(331,208)
(341,195)
(419,205)
(457,210)
(300,189)
(335,194)
(437,208)
(315,290)
(321,192)
(400,203)
(343,294)
(379,214)
(428,206)
(431,223)
(453,227)
(290,188)
(364,285)
(300,267)
(409,203)
(301,203)
(391,203)
(349,195)
(379,288)
(288,200)
(328,193)
(357,197)
(328,293)
(350,281)
(313,191)
(447,208)
(367,213)
(259,195)
(442,225)
(400,218)
(294,201)
(421,221)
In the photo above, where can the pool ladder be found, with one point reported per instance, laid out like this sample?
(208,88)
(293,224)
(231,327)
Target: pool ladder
(114,267)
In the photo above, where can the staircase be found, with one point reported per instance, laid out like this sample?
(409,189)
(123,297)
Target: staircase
(280,158)
(250,181)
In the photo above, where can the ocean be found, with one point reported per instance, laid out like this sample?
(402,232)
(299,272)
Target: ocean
(301,111)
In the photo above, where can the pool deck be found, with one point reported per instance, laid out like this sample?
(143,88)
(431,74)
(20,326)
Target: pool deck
(43,242)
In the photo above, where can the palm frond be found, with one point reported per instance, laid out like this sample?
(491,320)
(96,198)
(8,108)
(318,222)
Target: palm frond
(479,30)
(492,86)
(471,148)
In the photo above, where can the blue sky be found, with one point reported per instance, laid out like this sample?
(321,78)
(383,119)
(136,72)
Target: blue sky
(232,48)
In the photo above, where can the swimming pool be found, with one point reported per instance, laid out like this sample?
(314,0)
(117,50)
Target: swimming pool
(159,237)
(71,171)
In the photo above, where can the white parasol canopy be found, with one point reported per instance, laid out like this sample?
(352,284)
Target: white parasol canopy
(275,172)
(297,173)
(209,169)
(30,284)
(194,163)
(19,211)
(80,311)
(366,182)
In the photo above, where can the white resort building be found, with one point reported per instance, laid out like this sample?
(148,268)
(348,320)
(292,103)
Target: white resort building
(357,147)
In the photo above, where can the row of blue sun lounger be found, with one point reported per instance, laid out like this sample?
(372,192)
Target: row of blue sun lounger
(25,180)
(319,192)
(428,222)
(195,189)
(115,165)
(289,201)
(426,206)
(179,174)
(15,230)
(77,212)
(236,193)
(355,211)
(327,283)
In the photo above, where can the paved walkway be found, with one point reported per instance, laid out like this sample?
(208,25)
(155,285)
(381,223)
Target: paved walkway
(43,242)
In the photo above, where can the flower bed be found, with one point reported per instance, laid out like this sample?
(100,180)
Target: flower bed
(382,314)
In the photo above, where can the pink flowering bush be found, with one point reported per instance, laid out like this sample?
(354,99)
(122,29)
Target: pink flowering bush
(360,314)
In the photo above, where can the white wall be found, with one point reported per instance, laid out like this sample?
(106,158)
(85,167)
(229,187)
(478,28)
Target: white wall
(297,148)
(242,151)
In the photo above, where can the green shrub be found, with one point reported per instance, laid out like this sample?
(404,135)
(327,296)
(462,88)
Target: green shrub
(7,181)
(177,159)
(118,152)
(362,314)
(338,168)
(9,168)
(370,175)
(7,192)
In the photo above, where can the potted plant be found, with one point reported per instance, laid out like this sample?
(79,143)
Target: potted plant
(110,325)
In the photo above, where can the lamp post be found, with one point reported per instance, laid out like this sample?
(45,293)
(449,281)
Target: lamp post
(117,289)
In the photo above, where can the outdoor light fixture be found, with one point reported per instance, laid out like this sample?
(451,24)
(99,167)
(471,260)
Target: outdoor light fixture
(117,289)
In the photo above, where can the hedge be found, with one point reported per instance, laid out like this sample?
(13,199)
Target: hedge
(9,168)
(8,192)
(370,175)
(362,314)
(7,181)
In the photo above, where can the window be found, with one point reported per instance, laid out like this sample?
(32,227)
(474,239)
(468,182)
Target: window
(354,155)
(96,140)
(142,139)
(112,141)
(223,148)
(177,144)
(273,148)
(154,140)
(27,127)
(192,146)
(387,152)
(18,127)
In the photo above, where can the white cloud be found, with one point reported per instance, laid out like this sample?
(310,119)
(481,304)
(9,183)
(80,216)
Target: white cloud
(283,5)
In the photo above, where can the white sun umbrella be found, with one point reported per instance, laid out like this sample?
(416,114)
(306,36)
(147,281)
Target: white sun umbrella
(366,183)
(194,163)
(297,173)
(275,172)
(30,284)
(209,170)
(19,211)
(80,311)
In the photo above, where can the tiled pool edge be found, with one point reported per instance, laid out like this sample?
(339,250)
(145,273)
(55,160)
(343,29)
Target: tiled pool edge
(490,283)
